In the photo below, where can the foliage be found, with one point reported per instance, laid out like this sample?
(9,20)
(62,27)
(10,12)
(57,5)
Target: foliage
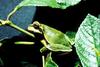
(49,62)
(87,38)
(87,41)
(51,3)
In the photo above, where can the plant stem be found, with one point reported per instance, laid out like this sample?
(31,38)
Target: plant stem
(43,61)
(20,29)
(12,12)
(24,42)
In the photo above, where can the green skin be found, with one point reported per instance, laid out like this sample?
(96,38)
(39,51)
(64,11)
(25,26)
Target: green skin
(54,40)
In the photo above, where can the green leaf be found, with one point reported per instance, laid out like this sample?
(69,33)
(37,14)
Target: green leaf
(50,62)
(77,64)
(71,36)
(66,3)
(51,3)
(87,40)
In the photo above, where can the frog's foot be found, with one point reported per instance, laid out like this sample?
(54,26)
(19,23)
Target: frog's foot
(44,48)
(56,47)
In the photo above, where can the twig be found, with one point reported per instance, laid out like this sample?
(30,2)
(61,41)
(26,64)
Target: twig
(12,12)
(21,30)
(9,23)
(43,61)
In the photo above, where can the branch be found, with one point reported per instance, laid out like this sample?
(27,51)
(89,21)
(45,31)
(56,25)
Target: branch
(9,23)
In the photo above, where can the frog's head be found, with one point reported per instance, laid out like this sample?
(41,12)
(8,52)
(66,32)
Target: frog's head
(35,27)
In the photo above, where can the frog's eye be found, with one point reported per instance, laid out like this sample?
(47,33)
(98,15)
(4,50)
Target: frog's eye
(36,23)
(35,27)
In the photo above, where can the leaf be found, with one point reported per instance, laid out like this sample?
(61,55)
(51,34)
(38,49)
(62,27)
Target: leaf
(50,62)
(87,39)
(51,3)
(77,64)
(66,3)
(71,36)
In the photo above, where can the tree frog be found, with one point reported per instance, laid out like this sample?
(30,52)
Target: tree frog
(54,40)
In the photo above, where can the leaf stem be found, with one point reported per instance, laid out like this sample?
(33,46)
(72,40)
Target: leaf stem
(43,61)
(12,12)
(20,29)
(24,42)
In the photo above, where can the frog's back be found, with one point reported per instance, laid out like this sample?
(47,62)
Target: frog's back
(55,36)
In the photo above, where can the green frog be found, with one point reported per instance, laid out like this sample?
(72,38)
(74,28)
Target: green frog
(54,39)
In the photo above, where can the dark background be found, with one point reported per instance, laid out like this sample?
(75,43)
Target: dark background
(63,20)
(70,18)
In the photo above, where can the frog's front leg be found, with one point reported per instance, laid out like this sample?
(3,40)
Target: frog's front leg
(44,47)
